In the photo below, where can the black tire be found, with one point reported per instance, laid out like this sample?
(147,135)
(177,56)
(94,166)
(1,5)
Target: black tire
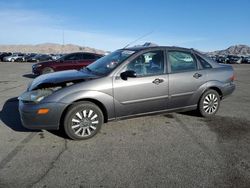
(209,103)
(47,70)
(12,60)
(87,127)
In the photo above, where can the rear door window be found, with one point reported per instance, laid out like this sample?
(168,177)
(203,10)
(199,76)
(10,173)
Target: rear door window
(181,61)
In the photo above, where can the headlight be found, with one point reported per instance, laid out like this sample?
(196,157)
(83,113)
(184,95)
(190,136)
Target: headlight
(29,86)
(36,65)
(35,96)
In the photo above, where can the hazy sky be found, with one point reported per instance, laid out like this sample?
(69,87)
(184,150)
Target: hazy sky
(111,24)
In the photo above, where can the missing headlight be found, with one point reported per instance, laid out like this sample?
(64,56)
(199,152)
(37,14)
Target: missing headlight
(36,95)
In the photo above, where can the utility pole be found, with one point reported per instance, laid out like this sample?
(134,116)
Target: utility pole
(63,41)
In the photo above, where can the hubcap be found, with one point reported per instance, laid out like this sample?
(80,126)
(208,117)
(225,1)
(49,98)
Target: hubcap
(210,103)
(84,122)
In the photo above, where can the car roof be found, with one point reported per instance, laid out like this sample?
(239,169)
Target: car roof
(139,48)
(84,53)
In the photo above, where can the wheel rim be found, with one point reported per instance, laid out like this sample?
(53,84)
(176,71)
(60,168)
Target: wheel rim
(47,70)
(210,103)
(84,123)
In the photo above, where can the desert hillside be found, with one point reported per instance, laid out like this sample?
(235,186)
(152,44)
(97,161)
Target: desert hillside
(233,50)
(49,48)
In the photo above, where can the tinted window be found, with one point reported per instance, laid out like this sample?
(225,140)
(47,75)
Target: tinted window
(71,57)
(181,61)
(150,63)
(89,56)
(204,63)
(79,56)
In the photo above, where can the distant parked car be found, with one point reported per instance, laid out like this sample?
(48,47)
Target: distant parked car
(14,57)
(39,58)
(4,54)
(29,56)
(70,61)
(56,56)
(221,59)
(246,60)
(232,59)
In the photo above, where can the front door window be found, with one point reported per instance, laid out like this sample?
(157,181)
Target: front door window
(148,64)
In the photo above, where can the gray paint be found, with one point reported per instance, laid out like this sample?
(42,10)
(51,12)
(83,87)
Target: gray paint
(128,98)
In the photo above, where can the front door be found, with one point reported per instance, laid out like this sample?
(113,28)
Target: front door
(148,91)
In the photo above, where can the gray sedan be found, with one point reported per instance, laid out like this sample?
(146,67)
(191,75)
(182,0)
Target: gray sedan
(127,83)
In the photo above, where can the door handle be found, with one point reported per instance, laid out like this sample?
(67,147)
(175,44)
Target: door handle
(197,75)
(157,81)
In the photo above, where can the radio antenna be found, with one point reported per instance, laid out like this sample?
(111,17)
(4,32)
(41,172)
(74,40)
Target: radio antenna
(139,38)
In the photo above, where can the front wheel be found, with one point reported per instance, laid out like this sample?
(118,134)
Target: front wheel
(209,103)
(83,120)
(47,70)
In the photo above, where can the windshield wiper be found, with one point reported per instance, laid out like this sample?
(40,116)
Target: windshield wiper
(93,72)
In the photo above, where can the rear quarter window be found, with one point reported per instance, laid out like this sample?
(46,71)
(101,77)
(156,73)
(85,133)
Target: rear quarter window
(203,62)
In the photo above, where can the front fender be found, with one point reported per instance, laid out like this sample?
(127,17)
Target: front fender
(103,98)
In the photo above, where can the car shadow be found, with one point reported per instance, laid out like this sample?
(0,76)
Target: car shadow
(32,76)
(193,113)
(59,133)
(10,116)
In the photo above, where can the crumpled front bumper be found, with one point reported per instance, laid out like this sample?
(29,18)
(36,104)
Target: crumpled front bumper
(50,121)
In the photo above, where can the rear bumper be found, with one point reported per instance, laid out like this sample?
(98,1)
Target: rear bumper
(228,89)
(50,121)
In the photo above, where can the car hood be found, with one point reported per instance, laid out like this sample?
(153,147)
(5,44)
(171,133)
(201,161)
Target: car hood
(61,78)
(44,63)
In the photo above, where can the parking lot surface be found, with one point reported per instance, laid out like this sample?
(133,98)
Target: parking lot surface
(169,150)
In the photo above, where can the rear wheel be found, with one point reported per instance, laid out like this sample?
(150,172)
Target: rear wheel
(209,103)
(12,60)
(47,70)
(83,120)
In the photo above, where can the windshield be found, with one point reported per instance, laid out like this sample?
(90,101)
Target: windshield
(109,62)
(62,57)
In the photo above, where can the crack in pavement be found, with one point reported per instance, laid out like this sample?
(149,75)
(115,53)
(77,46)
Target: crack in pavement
(7,89)
(6,81)
(51,165)
(16,150)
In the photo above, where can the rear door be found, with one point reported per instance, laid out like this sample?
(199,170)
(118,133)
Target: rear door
(148,92)
(185,78)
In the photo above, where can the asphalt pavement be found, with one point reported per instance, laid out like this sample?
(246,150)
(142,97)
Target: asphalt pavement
(169,150)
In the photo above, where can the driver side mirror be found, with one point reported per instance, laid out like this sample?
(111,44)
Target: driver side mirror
(128,74)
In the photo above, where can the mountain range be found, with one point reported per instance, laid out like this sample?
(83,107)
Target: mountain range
(232,50)
(53,48)
(48,48)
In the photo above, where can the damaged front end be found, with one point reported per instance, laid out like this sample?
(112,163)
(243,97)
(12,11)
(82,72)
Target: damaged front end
(45,85)
(35,96)
(44,90)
